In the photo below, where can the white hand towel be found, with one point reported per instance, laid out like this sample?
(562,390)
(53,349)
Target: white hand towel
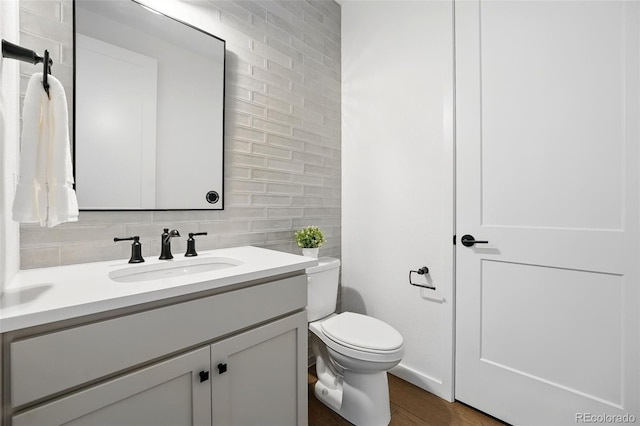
(45,192)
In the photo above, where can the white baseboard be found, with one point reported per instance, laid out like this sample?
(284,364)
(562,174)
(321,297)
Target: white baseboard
(421,380)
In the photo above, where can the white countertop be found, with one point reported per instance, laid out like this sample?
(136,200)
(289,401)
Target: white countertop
(40,296)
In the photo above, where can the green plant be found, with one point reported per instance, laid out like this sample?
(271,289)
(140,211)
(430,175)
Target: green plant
(310,237)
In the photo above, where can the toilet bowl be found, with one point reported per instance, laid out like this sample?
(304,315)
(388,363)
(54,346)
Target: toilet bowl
(352,352)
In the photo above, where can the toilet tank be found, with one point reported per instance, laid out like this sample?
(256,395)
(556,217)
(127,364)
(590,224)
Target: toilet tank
(322,288)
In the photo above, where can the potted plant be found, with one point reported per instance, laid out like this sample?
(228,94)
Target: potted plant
(310,239)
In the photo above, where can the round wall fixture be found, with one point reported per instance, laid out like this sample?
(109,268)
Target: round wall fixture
(212,197)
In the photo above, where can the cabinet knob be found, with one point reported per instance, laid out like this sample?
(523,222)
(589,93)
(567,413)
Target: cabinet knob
(204,376)
(222,368)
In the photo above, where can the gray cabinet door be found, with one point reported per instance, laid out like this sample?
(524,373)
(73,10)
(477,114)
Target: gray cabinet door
(259,377)
(169,393)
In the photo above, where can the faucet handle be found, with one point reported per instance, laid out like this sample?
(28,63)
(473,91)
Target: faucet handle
(172,233)
(136,248)
(191,244)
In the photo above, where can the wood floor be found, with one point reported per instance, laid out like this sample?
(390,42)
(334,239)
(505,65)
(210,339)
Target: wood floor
(410,405)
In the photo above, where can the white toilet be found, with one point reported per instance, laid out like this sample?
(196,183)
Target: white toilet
(352,351)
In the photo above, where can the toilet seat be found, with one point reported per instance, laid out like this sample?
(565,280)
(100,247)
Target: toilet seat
(342,337)
(362,332)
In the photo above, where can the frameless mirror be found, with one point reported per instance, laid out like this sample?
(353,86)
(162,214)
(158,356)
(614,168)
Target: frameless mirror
(149,110)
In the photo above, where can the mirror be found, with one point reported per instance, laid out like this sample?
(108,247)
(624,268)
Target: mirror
(149,110)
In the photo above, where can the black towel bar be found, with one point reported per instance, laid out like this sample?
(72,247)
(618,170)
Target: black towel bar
(13,51)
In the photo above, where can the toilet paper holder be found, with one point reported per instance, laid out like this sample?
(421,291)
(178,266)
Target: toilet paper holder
(421,271)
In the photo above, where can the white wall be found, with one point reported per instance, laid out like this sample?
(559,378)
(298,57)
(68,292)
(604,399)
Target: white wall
(397,173)
(9,130)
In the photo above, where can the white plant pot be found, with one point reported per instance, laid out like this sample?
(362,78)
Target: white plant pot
(310,252)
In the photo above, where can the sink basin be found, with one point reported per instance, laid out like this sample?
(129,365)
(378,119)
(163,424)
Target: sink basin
(171,269)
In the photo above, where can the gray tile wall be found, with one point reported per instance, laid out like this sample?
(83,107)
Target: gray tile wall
(282,135)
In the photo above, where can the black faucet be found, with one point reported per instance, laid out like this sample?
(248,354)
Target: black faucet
(191,244)
(166,243)
(136,248)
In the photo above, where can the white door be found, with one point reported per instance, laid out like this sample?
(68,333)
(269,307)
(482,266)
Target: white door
(116,122)
(547,322)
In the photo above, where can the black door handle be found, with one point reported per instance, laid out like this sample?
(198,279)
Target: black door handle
(469,241)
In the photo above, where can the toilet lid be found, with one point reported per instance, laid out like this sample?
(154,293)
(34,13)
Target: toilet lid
(362,331)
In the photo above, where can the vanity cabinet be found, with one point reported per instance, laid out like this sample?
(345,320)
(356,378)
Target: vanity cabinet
(238,357)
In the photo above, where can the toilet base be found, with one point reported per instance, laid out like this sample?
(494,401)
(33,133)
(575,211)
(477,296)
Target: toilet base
(362,399)
(332,398)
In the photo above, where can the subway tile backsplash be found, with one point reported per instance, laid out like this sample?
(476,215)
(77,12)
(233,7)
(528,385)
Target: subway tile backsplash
(282,135)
